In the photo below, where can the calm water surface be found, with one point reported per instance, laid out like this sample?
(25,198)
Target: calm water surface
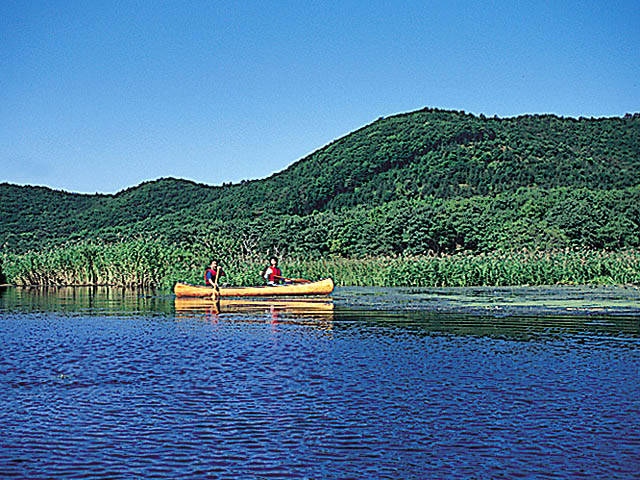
(369,384)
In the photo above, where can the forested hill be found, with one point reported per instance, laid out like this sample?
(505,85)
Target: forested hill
(416,168)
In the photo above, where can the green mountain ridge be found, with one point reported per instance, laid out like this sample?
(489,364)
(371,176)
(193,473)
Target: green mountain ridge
(429,180)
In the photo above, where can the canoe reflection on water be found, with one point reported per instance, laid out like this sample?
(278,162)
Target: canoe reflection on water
(280,310)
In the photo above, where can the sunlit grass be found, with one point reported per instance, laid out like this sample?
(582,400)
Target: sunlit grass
(152,264)
(497,269)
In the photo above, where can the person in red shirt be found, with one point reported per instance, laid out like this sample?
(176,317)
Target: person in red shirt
(272,274)
(212,274)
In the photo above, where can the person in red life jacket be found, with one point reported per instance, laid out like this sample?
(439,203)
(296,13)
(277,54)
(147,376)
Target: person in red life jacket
(212,274)
(272,274)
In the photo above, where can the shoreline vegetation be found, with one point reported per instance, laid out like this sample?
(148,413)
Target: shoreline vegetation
(151,264)
(429,198)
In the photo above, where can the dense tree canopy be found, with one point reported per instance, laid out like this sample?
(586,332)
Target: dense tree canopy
(426,181)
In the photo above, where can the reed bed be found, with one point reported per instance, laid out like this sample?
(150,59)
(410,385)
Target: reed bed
(496,269)
(133,264)
(152,264)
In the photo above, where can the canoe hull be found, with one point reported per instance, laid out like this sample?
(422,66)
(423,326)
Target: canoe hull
(322,287)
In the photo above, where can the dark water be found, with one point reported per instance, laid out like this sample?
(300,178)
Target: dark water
(370,384)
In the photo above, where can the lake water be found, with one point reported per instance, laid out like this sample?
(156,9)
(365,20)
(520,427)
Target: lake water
(372,383)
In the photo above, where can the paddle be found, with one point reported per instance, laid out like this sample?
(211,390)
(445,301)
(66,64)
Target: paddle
(293,280)
(216,288)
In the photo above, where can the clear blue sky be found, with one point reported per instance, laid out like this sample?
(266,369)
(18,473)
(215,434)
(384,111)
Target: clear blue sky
(99,96)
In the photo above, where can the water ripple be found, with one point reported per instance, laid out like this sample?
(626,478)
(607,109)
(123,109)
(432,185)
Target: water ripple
(373,396)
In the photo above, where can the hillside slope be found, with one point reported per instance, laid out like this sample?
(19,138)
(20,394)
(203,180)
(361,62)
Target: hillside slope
(432,157)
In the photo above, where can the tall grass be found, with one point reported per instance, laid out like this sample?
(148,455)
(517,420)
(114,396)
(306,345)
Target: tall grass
(152,264)
(497,269)
(132,264)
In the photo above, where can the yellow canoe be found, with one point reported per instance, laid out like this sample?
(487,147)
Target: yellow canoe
(321,287)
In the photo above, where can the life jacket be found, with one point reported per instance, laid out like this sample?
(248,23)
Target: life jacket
(211,272)
(274,274)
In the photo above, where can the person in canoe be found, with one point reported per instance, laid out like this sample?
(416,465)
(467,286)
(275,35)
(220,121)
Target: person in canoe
(212,274)
(272,274)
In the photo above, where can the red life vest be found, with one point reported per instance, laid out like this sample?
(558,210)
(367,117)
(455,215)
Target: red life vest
(274,275)
(210,271)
